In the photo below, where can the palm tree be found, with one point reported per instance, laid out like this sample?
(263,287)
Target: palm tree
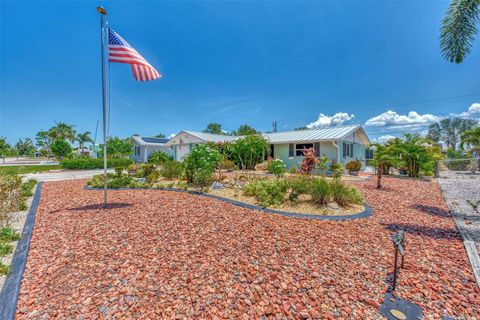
(459,28)
(383,159)
(25,147)
(64,131)
(82,138)
(471,138)
(449,130)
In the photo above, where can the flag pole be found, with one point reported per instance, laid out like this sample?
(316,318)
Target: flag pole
(103,18)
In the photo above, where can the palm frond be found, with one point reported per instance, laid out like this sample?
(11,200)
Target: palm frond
(459,28)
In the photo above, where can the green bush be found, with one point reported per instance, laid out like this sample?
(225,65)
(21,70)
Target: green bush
(276,167)
(227,164)
(115,181)
(27,187)
(61,148)
(4,269)
(172,170)
(293,170)
(458,165)
(5,249)
(267,192)
(88,163)
(299,185)
(8,234)
(336,169)
(153,176)
(200,164)
(321,191)
(249,151)
(10,196)
(344,195)
(159,157)
(143,170)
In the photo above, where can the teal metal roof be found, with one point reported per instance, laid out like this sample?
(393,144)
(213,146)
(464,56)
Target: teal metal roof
(323,134)
(211,137)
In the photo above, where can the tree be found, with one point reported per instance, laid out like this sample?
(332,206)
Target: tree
(245,130)
(449,130)
(383,160)
(61,148)
(5,148)
(83,138)
(44,140)
(459,28)
(63,131)
(117,148)
(160,135)
(214,128)
(25,147)
(249,151)
(471,139)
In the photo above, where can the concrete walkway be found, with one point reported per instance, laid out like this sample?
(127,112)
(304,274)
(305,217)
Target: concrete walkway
(462,193)
(64,175)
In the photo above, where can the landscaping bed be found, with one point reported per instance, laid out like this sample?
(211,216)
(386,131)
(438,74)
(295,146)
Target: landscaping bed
(160,254)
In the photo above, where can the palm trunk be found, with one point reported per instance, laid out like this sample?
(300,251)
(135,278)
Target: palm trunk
(379,176)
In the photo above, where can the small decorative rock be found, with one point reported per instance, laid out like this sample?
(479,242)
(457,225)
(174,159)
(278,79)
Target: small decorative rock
(216,185)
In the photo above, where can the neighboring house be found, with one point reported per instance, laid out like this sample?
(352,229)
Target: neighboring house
(342,144)
(143,147)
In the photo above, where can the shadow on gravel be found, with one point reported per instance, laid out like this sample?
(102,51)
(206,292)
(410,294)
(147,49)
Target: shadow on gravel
(436,233)
(118,205)
(435,211)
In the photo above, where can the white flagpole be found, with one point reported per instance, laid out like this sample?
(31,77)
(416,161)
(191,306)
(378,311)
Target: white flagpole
(103,18)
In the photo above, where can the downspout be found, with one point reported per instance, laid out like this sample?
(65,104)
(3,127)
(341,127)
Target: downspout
(145,155)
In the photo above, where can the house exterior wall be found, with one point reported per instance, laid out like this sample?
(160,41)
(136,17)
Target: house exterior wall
(281,151)
(146,151)
(358,152)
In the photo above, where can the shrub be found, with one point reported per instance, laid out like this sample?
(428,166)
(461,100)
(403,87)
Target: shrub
(200,164)
(249,151)
(153,176)
(4,269)
(227,164)
(298,185)
(172,170)
(61,148)
(293,170)
(321,191)
(322,164)
(115,182)
(117,148)
(309,161)
(267,192)
(277,167)
(7,234)
(354,165)
(159,157)
(344,195)
(143,170)
(10,196)
(87,163)
(5,249)
(27,187)
(335,168)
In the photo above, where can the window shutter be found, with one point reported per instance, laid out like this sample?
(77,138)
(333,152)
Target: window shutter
(351,150)
(291,150)
(316,146)
(344,149)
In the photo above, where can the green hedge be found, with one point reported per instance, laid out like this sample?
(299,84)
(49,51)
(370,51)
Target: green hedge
(88,163)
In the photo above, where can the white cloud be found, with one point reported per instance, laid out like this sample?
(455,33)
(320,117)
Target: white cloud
(323,120)
(473,111)
(393,120)
(383,139)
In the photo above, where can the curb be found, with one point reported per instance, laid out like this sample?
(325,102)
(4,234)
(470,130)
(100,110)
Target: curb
(364,214)
(13,282)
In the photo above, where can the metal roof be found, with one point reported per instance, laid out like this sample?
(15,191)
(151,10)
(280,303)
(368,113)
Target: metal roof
(332,133)
(211,137)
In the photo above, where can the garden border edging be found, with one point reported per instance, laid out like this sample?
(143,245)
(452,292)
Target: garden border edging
(11,287)
(364,214)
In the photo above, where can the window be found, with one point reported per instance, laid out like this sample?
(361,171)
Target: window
(137,150)
(347,150)
(368,154)
(300,147)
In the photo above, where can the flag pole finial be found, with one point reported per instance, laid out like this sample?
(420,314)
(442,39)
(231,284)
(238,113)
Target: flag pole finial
(101,10)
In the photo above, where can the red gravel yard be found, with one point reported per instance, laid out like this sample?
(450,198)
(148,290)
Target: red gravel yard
(159,254)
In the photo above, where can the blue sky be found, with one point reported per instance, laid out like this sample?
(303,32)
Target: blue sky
(232,63)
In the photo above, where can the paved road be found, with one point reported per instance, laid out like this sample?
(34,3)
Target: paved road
(64,175)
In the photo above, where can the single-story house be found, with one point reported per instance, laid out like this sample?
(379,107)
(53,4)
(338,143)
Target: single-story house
(143,147)
(341,144)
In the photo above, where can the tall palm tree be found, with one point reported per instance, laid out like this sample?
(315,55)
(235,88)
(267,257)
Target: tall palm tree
(64,131)
(25,147)
(82,138)
(449,130)
(459,28)
(44,140)
(471,138)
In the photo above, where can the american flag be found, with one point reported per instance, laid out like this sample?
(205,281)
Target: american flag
(120,51)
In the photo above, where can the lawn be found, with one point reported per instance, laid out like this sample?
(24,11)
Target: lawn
(28,169)
(163,254)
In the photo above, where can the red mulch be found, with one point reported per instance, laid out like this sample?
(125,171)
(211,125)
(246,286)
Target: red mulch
(159,254)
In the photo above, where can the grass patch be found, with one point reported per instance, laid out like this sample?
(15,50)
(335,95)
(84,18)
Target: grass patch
(8,234)
(4,269)
(28,169)
(5,249)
